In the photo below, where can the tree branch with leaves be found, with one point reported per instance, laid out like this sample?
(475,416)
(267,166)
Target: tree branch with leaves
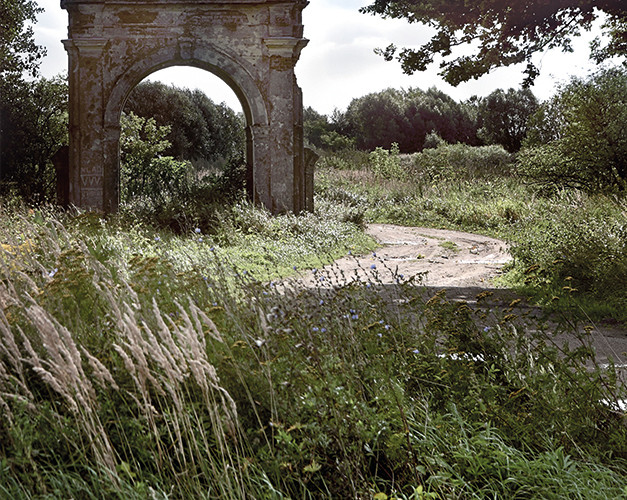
(504,33)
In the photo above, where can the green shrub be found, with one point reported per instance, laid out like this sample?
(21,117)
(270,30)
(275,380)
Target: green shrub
(460,161)
(344,159)
(578,138)
(165,191)
(580,243)
(548,167)
(433,140)
(387,164)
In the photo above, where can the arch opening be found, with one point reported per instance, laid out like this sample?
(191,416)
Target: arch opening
(181,142)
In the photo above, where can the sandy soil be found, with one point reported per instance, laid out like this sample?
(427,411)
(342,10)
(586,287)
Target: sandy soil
(462,263)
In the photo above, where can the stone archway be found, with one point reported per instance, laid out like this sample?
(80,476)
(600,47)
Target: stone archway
(253,45)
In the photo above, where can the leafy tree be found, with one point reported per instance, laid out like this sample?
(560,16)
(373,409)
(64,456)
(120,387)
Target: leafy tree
(504,33)
(503,116)
(33,122)
(434,111)
(377,120)
(145,172)
(406,117)
(23,144)
(19,54)
(202,132)
(315,126)
(579,138)
(546,124)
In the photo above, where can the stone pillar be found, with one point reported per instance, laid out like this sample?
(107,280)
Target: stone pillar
(111,163)
(285,119)
(86,121)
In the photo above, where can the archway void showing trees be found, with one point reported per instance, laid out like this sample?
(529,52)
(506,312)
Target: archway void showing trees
(252,45)
(182,140)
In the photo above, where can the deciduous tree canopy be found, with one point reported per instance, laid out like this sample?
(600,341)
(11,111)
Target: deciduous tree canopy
(202,132)
(18,52)
(504,33)
(503,117)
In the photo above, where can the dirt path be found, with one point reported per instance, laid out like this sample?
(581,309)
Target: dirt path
(440,257)
(464,264)
(449,258)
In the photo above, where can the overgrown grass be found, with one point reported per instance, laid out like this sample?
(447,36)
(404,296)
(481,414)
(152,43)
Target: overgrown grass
(140,364)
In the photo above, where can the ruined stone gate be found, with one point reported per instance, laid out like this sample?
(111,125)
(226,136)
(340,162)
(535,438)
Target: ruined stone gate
(253,45)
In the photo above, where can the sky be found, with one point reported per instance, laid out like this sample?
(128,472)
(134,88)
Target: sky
(339,63)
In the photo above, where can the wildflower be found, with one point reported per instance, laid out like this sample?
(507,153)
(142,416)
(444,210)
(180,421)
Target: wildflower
(380,335)
(200,240)
(374,254)
(197,230)
(416,351)
(321,302)
(53,272)
(294,267)
(323,330)
(315,329)
(486,329)
(355,316)
(157,238)
(387,327)
(373,266)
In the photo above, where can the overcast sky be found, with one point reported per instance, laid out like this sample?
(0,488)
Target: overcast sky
(339,63)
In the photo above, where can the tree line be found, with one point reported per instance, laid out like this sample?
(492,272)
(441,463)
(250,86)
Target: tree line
(415,119)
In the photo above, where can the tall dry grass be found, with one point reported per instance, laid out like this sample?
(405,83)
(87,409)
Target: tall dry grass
(155,367)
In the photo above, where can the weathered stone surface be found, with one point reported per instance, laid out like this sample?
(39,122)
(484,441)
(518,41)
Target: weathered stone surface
(253,45)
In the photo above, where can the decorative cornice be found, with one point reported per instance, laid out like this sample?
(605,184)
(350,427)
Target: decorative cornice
(285,46)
